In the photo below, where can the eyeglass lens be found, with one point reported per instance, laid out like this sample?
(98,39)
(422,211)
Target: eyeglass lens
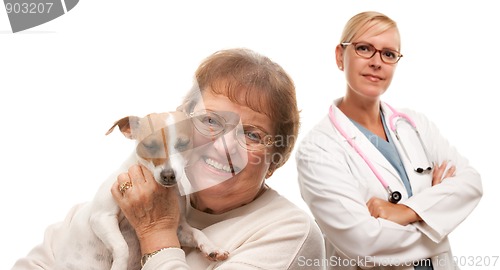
(367,50)
(214,124)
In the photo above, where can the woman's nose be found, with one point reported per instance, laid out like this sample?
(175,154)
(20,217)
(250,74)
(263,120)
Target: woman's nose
(227,143)
(376,61)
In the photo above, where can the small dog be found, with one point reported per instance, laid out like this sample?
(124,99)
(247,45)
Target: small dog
(164,142)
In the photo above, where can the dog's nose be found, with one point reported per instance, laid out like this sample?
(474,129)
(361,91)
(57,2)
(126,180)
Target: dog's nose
(168,177)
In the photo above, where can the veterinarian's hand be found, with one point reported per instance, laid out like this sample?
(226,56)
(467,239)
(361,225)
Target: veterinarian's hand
(151,209)
(440,173)
(398,213)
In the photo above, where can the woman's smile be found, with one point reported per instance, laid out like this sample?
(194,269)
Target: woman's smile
(219,167)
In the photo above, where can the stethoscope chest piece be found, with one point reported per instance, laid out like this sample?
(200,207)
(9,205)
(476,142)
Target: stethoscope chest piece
(394,197)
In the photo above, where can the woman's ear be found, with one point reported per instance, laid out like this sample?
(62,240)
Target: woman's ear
(339,56)
(269,173)
(271,169)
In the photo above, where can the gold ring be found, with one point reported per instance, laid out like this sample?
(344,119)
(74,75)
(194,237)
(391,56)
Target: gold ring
(124,186)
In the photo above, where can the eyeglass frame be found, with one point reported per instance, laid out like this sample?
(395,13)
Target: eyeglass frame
(398,54)
(266,141)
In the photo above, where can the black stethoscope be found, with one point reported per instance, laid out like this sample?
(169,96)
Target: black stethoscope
(394,196)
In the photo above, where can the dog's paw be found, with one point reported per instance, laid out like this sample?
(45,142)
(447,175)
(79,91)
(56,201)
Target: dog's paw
(218,255)
(213,254)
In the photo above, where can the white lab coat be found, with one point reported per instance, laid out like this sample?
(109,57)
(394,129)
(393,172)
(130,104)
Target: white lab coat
(336,183)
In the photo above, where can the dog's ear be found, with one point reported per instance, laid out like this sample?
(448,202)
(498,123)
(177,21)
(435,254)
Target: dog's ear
(125,126)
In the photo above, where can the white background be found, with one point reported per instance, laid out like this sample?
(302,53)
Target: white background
(64,83)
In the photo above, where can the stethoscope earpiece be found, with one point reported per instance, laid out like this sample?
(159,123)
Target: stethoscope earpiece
(394,197)
(422,170)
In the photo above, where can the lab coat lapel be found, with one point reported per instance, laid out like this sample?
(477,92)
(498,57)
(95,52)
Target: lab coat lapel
(371,152)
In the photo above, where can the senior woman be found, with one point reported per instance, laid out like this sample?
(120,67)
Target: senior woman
(259,228)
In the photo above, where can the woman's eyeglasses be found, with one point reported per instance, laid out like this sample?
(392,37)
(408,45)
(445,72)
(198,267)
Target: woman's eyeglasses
(215,124)
(366,50)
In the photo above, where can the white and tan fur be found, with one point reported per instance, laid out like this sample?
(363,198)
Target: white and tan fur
(95,238)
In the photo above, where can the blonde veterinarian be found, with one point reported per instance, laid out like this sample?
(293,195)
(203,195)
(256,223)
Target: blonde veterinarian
(386,194)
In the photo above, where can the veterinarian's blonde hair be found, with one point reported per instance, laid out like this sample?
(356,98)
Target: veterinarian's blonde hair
(253,80)
(364,21)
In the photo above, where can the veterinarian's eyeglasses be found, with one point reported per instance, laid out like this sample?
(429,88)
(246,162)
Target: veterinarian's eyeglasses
(215,124)
(366,50)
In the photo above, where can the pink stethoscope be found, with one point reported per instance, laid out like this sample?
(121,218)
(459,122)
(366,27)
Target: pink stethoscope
(394,196)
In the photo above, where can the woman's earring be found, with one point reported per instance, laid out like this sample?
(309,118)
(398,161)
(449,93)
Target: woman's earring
(269,173)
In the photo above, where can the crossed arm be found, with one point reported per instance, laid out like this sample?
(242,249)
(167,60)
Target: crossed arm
(401,213)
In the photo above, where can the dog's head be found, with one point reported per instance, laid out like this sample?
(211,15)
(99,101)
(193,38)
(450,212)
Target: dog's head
(164,140)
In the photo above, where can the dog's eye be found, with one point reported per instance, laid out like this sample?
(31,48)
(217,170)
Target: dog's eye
(151,146)
(150,149)
(182,143)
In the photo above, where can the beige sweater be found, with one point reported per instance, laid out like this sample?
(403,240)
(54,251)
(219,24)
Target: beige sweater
(269,233)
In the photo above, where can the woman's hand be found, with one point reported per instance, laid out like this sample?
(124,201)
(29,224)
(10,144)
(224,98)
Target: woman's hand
(152,210)
(398,213)
(439,173)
